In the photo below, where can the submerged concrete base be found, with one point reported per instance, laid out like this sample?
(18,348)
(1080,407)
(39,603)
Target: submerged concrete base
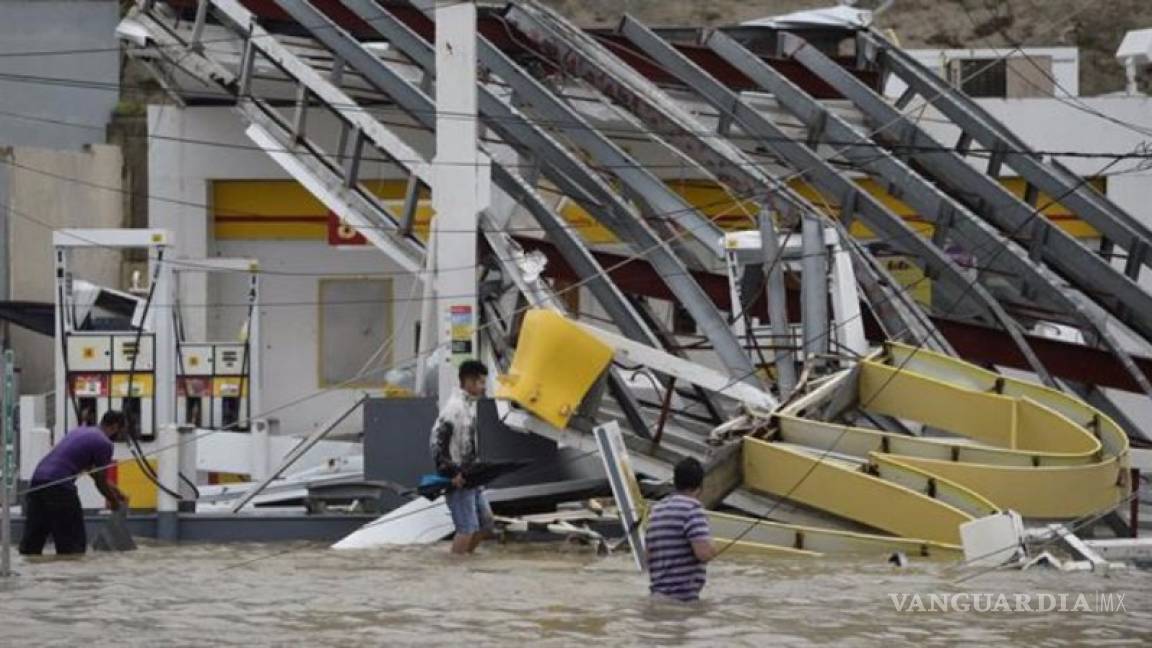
(206,527)
(168,526)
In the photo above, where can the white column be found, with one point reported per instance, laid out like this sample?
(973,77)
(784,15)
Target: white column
(168,472)
(259,450)
(461,187)
(164,396)
(62,402)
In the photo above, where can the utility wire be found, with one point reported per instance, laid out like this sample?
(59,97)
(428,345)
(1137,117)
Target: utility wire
(899,369)
(680,234)
(895,147)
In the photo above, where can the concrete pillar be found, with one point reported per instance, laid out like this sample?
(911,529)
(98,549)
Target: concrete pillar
(461,188)
(34,444)
(814,291)
(187,463)
(260,449)
(168,470)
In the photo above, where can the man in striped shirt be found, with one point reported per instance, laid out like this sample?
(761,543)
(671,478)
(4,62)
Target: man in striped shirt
(679,541)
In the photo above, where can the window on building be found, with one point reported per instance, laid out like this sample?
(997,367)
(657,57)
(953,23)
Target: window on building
(979,77)
(355,323)
(1013,77)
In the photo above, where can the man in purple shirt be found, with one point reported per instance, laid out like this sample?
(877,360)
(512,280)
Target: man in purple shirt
(679,540)
(52,507)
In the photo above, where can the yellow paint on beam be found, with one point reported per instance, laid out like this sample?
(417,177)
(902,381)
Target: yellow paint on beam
(934,485)
(284,210)
(747,548)
(1043,429)
(849,494)
(1051,493)
(726,526)
(942,367)
(896,391)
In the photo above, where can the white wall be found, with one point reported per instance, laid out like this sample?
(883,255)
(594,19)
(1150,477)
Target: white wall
(1051,125)
(181,171)
(87,29)
(49,189)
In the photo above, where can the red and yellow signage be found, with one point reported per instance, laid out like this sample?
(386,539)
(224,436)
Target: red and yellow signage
(284,210)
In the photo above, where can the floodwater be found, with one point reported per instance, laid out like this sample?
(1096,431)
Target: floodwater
(529,594)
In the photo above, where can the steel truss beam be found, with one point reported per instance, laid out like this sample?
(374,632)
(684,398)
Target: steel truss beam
(1079,265)
(1109,287)
(578,54)
(559,164)
(359,208)
(640,182)
(976,123)
(946,214)
(310,166)
(830,181)
(896,312)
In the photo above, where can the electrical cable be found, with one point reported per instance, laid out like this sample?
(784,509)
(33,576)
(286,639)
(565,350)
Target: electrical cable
(916,349)
(970,284)
(132,439)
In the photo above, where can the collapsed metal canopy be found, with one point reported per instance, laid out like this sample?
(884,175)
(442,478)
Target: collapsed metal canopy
(549,135)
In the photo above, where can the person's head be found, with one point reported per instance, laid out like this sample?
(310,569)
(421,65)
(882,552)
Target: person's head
(688,476)
(473,377)
(113,423)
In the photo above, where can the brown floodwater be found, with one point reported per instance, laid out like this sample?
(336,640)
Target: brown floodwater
(529,594)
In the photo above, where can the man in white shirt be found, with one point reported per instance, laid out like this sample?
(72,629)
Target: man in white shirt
(454,451)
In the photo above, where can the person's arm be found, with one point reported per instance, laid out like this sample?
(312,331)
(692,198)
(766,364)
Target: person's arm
(113,495)
(704,549)
(441,455)
(698,533)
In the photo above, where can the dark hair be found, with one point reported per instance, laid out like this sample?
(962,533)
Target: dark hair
(472,369)
(113,417)
(688,474)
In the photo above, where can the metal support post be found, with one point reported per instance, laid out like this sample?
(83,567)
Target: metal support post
(164,330)
(1134,502)
(198,25)
(186,467)
(168,472)
(9,466)
(777,305)
(258,451)
(814,291)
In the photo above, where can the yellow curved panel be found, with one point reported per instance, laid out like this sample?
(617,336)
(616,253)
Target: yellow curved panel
(726,526)
(1113,439)
(748,548)
(940,367)
(848,493)
(1038,451)
(1043,429)
(860,442)
(933,485)
(1056,493)
(899,392)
